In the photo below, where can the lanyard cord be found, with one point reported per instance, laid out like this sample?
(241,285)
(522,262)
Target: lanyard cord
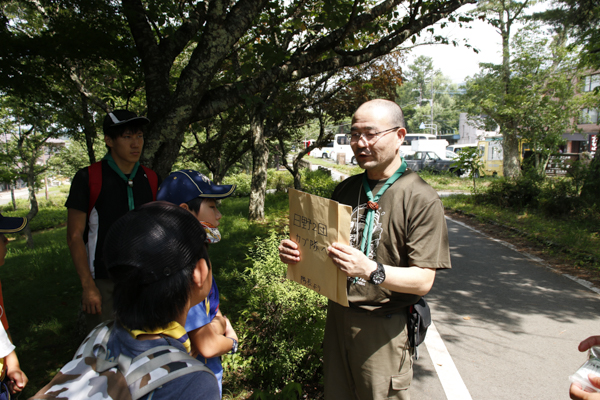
(129,181)
(372,205)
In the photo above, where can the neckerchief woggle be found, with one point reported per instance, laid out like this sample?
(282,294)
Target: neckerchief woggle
(372,205)
(129,181)
(174,330)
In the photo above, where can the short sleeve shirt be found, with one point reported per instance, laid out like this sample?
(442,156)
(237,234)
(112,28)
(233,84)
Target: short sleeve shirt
(112,203)
(409,230)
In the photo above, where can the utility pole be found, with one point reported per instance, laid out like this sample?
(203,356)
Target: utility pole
(432,74)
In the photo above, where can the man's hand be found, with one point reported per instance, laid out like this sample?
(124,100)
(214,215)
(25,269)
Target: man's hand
(91,300)
(289,252)
(576,392)
(589,343)
(351,261)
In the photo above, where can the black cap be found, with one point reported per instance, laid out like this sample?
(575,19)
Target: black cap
(12,224)
(122,117)
(157,239)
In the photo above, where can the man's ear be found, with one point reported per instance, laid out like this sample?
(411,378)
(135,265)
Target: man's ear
(401,134)
(185,207)
(108,140)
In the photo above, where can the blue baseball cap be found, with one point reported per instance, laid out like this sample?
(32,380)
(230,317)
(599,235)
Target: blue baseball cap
(12,224)
(185,185)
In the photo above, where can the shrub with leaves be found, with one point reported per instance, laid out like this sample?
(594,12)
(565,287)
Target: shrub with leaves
(318,183)
(284,323)
(516,193)
(242,181)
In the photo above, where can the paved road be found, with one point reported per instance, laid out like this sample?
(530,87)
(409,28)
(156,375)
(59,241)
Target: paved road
(19,194)
(510,326)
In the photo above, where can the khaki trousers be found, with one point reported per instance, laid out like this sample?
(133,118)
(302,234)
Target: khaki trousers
(366,357)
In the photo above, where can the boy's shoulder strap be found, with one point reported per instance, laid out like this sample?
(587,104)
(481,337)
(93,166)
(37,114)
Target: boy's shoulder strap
(146,372)
(152,179)
(94,183)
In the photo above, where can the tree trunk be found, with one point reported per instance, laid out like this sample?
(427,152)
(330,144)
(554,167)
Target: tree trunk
(89,130)
(260,157)
(32,202)
(12,195)
(510,148)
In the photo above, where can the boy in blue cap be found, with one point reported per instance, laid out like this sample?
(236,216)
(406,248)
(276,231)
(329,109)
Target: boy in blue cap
(210,332)
(10,369)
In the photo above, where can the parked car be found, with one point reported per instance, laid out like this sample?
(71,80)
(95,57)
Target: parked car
(429,160)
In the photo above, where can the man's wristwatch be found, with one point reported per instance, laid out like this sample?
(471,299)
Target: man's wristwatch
(378,276)
(234,346)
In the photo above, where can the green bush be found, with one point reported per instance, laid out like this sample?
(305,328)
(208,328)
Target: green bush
(242,181)
(559,197)
(279,180)
(317,182)
(553,197)
(283,322)
(517,193)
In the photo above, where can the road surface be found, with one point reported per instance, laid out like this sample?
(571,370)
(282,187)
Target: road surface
(505,327)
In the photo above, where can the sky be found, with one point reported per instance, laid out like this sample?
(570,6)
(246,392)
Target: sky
(460,62)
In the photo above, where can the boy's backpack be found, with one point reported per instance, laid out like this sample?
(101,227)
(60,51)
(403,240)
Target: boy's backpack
(419,319)
(95,182)
(92,374)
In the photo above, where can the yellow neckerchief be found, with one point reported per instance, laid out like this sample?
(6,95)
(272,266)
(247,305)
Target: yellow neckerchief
(174,330)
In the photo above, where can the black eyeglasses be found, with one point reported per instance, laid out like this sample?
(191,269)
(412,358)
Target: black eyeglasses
(370,137)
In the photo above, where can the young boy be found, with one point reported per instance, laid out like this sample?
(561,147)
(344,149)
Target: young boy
(156,257)
(210,332)
(9,363)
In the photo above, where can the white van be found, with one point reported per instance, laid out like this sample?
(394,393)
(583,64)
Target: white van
(457,148)
(341,144)
(406,147)
(322,152)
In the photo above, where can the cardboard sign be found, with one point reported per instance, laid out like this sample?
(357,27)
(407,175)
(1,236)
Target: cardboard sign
(316,223)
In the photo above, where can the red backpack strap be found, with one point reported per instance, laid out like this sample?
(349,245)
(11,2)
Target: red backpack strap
(94,183)
(152,180)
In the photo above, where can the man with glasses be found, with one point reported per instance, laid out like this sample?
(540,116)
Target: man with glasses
(398,239)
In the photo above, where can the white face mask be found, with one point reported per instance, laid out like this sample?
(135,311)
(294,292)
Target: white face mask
(212,232)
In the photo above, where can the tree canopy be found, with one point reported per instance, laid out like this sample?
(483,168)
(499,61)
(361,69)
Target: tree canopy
(184,62)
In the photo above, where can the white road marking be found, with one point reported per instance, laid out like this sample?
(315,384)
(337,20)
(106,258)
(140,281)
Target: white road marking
(453,385)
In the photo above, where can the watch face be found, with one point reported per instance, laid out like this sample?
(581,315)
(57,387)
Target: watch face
(378,277)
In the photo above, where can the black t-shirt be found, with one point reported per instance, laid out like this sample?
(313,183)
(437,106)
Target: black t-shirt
(112,203)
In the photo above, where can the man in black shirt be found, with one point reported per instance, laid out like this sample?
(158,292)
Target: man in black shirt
(99,195)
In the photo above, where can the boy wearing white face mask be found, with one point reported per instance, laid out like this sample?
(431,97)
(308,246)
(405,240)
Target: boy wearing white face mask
(210,332)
